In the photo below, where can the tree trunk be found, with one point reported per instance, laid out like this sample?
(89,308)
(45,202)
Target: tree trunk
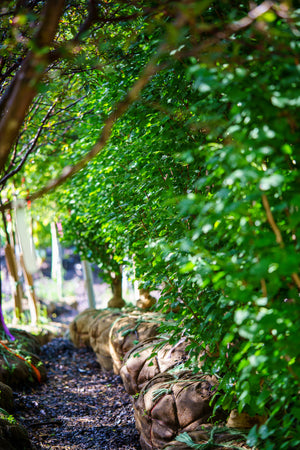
(17,291)
(145,299)
(116,286)
(3,325)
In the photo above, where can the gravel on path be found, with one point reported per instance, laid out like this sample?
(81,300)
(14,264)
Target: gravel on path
(79,407)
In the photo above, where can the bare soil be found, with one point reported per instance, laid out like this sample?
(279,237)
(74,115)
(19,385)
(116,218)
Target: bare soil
(79,407)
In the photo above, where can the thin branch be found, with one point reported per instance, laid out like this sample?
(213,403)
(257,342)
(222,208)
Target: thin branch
(72,119)
(271,220)
(14,156)
(164,179)
(264,287)
(30,149)
(296,279)
(227,31)
(11,69)
(187,305)
(71,104)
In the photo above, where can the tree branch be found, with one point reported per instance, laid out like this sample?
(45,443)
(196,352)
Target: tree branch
(219,34)
(23,87)
(271,220)
(90,19)
(11,69)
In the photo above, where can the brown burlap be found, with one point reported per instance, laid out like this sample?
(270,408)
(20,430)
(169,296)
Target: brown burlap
(6,397)
(24,340)
(99,336)
(80,327)
(170,404)
(223,438)
(145,300)
(243,420)
(13,436)
(127,331)
(16,372)
(139,366)
(116,302)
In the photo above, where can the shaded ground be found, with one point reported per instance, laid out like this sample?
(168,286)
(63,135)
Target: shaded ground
(80,407)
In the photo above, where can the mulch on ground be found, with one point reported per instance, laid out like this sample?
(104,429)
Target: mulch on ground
(79,407)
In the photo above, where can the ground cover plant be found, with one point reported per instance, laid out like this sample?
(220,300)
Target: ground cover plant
(184,120)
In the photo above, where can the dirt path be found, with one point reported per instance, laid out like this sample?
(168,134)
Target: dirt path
(79,407)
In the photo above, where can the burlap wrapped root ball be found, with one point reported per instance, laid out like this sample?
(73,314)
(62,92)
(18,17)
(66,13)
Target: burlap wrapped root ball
(99,337)
(243,420)
(23,340)
(19,368)
(128,331)
(80,327)
(171,404)
(6,397)
(146,300)
(149,358)
(13,436)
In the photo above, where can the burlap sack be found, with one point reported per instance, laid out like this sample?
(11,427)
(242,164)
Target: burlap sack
(80,327)
(24,340)
(6,397)
(127,331)
(170,404)
(243,420)
(99,336)
(214,435)
(145,300)
(17,372)
(140,365)
(13,436)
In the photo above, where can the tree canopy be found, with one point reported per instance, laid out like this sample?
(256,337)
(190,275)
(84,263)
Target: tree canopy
(179,124)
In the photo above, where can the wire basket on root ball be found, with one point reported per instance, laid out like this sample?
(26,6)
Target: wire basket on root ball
(149,358)
(171,404)
(128,331)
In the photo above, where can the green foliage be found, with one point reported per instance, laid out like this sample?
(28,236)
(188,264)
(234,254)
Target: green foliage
(211,443)
(194,178)
(5,415)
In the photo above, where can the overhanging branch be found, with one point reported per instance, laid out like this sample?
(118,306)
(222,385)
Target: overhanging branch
(24,86)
